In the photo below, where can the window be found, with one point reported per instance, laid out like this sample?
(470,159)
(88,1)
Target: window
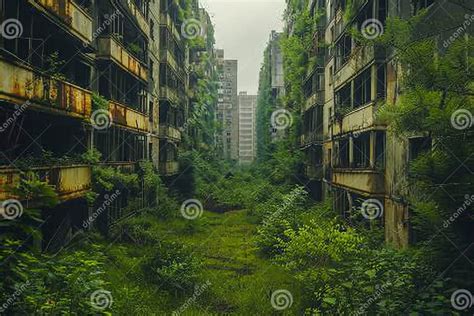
(381,82)
(152,29)
(343,50)
(151,111)
(343,153)
(363,88)
(343,97)
(362,151)
(380,145)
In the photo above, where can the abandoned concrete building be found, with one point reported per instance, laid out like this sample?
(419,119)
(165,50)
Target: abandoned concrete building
(348,152)
(71,56)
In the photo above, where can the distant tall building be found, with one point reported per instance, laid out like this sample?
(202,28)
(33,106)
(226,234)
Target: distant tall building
(247,130)
(227,106)
(276,69)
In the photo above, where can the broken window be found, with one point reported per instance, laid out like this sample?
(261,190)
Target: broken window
(343,50)
(363,88)
(362,151)
(343,97)
(343,153)
(380,146)
(381,81)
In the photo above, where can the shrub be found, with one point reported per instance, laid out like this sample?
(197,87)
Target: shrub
(174,266)
(278,219)
(52,285)
(140,230)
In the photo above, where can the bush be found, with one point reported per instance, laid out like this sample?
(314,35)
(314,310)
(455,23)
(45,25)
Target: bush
(279,218)
(140,230)
(174,266)
(34,283)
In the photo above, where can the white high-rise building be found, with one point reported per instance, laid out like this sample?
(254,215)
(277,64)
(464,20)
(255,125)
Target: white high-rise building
(247,127)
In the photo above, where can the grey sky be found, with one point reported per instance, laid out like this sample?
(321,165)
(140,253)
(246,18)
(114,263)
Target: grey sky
(242,29)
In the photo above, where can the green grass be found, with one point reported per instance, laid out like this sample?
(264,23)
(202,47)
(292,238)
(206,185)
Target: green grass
(241,281)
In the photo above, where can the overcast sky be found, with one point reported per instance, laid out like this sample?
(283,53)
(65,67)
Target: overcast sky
(242,29)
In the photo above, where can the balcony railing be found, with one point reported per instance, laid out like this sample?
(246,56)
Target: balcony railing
(138,15)
(167,57)
(316,98)
(169,168)
(110,48)
(363,181)
(314,172)
(170,132)
(127,117)
(359,119)
(71,14)
(165,20)
(69,182)
(21,83)
(358,60)
(169,94)
(311,138)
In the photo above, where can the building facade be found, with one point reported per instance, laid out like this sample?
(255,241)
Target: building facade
(349,153)
(109,76)
(247,128)
(227,106)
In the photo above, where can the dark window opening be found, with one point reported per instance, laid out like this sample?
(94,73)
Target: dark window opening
(362,151)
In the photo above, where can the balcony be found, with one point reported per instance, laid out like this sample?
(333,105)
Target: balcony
(363,181)
(76,20)
(138,15)
(311,138)
(169,94)
(69,182)
(127,117)
(316,98)
(360,119)
(165,20)
(21,83)
(169,168)
(313,172)
(358,60)
(167,57)
(170,132)
(110,48)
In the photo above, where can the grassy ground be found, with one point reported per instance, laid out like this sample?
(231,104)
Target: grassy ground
(241,282)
